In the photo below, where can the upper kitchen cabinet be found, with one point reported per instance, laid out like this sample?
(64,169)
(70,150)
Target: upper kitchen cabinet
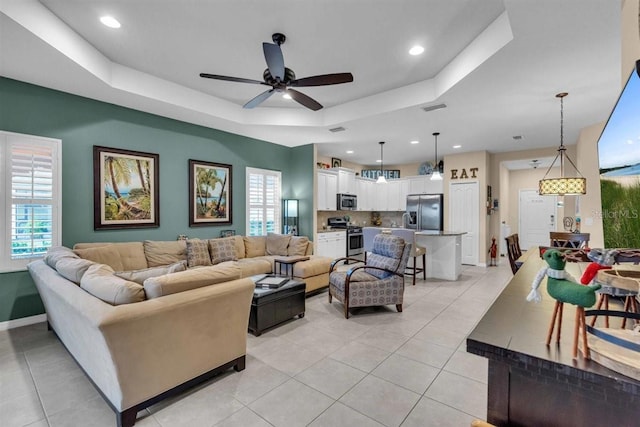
(346,181)
(422,184)
(365,192)
(327,190)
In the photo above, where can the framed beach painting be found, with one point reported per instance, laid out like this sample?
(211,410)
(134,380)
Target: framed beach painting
(125,189)
(209,193)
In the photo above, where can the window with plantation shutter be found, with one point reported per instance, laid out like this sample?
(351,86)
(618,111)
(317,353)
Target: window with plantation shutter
(30,198)
(263,201)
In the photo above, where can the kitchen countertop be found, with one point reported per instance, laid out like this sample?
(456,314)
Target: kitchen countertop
(331,231)
(440,233)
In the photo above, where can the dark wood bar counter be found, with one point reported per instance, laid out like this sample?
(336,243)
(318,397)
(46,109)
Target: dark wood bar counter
(531,384)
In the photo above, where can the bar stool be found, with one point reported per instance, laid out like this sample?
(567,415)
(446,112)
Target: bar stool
(409,236)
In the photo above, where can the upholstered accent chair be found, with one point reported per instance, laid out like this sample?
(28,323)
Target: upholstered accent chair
(380,281)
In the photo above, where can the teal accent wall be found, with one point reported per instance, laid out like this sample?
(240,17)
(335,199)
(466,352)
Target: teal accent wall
(82,123)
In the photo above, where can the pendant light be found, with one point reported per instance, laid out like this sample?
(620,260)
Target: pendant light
(381,178)
(563,185)
(435,176)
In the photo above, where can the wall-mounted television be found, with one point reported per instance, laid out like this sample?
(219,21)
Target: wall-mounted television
(619,158)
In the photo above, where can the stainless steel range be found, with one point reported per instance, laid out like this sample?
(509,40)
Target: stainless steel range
(355,242)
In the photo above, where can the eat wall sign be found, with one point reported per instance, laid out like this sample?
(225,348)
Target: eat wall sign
(463,173)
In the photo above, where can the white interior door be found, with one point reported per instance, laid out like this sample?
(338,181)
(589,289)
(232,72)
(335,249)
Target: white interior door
(537,217)
(464,215)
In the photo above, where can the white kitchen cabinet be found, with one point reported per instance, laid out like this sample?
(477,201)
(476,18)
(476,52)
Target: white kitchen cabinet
(332,244)
(397,195)
(365,192)
(327,190)
(422,184)
(346,181)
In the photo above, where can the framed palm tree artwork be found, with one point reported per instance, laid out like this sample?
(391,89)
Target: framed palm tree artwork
(209,193)
(125,187)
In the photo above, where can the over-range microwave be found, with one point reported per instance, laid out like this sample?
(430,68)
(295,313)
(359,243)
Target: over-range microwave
(347,202)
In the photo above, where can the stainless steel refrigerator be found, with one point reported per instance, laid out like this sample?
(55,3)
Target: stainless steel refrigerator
(424,212)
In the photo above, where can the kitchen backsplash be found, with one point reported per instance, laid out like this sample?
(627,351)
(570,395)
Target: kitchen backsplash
(361,218)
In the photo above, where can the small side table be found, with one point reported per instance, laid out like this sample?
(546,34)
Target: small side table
(288,262)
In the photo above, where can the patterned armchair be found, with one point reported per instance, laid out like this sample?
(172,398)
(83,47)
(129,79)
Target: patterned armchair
(379,282)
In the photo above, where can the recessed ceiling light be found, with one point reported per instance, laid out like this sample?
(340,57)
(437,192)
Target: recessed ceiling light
(457,146)
(286,96)
(110,21)
(415,142)
(349,151)
(416,50)
(378,161)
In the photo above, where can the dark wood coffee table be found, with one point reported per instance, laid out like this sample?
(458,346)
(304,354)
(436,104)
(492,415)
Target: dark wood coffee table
(270,307)
(288,262)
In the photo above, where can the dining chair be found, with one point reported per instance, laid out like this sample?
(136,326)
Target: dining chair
(630,256)
(513,251)
(559,239)
(409,236)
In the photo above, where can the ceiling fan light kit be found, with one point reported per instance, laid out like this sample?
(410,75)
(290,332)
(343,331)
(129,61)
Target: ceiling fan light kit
(562,186)
(282,79)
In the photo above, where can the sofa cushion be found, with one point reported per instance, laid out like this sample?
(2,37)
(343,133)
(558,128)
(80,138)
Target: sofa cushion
(255,246)
(190,279)
(315,266)
(57,253)
(73,268)
(222,250)
(277,244)
(139,276)
(240,251)
(253,266)
(100,282)
(165,252)
(298,246)
(107,255)
(198,253)
(130,254)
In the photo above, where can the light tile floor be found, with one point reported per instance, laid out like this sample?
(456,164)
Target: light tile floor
(378,368)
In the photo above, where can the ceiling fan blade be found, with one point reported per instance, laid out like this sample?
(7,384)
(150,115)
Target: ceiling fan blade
(274,58)
(323,80)
(305,100)
(259,99)
(230,79)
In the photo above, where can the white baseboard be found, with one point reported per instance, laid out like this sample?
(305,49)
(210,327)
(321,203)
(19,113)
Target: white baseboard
(24,321)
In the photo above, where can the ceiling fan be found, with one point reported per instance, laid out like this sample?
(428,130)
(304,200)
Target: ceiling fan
(282,79)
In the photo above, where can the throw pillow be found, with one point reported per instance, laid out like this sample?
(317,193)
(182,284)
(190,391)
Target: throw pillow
(277,244)
(198,253)
(222,250)
(107,255)
(73,268)
(139,276)
(57,253)
(298,246)
(100,282)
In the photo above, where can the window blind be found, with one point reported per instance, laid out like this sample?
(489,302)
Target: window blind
(31,198)
(263,201)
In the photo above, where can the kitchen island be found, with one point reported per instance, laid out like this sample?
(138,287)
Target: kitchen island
(444,253)
(537,385)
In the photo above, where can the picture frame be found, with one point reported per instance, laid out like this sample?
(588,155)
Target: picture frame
(336,163)
(210,200)
(126,190)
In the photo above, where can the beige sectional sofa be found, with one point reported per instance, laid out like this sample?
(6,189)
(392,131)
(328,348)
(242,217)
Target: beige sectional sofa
(146,319)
